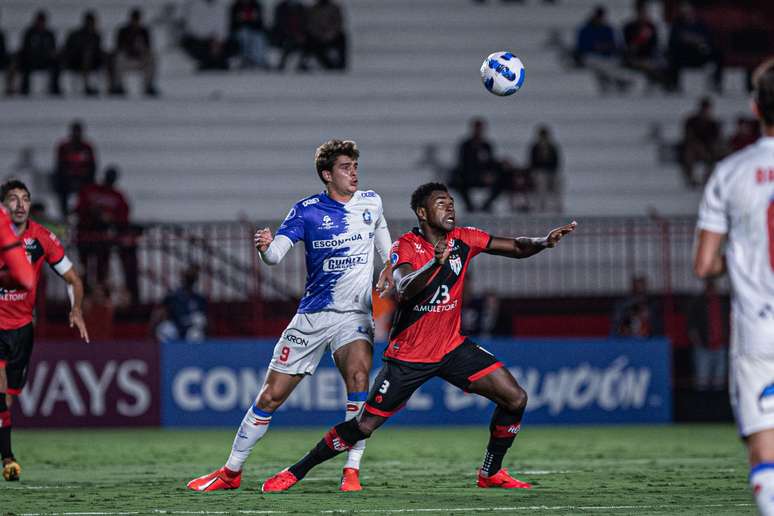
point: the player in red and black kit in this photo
(16, 307)
(429, 267)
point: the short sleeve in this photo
(477, 239)
(52, 247)
(713, 215)
(402, 252)
(293, 226)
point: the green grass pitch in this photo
(697, 469)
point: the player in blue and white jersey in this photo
(341, 228)
(736, 233)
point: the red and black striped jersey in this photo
(427, 326)
(41, 246)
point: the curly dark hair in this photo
(327, 153)
(763, 81)
(12, 184)
(422, 194)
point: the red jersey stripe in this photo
(484, 372)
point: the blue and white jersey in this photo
(339, 241)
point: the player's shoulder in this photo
(40, 232)
(464, 232)
(732, 165)
(309, 200)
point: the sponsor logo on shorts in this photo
(295, 339)
(342, 263)
(335, 242)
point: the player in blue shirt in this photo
(341, 227)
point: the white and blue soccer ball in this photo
(502, 73)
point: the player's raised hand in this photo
(385, 284)
(263, 239)
(442, 251)
(76, 319)
(558, 233)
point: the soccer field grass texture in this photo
(575, 470)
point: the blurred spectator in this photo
(83, 52)
(76, 166)
(638, 314)
(748, 130)
(326, 39)
(288, 33)
(641, 46)
(476, 167)
(431, 161)
(384, 309)
(520, 185)
(248, 30)
(6, 63)
(480, 313)
(183, 312)
(103, 223)
(708, 333)
(597, 50)
(57, 227)
(134, 51)
(691, 46)
(206, 38)
(544, 159)
(99, 312)
(38, 52)
(701, 142)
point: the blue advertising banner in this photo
(568, 381)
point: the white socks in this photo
(355, 402)
(762, 483)
(253, 427)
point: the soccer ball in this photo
(502, 73)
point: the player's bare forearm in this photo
(76, 311)
(524, 247)
(708, 260)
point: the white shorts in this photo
(751, 386)
(302, 344)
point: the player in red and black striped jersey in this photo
(38, 246)
(429, 267)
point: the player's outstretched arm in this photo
(271, 250)
(75, 290)
(386, 282)
(708, 261)
(523, 247)
(411, 282)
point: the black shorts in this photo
(15, 353)
(397, 380)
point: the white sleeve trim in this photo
(277, 250)
(63, 265)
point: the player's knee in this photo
(357, 381)
(267, 401)
(367, 428)
(517, 400)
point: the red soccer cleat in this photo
(350, 480)
(217, 480)
(503, 480)
(282, 481)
